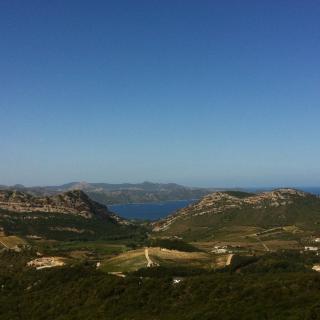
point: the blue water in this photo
(314, 190)
(149, 211)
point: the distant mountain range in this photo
(107, 194)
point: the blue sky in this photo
(204, 93)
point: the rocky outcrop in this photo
(220, 202)
(74, 202)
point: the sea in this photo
(157, 210)
(314, 190)
(149, 211)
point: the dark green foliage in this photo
(277, 262)
(239, 194)
(169, 272)
(283, 261)
(59, 226)
(238, 262)
(82, 293)
(172, 244)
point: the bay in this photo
(149, 211)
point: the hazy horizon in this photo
(252, 187)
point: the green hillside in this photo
(298, 214)
(71, 215)
(271, 289)
(65, 227)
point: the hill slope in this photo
(72, 202)
(67, 216)
(219, 211)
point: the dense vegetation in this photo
(275, 262)
(81, 292)
(172, 244)
(239, 194)
(66, 227)
(303, 213)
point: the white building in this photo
(316, 267)
(177, 280)
(220, 250)
(309, 248)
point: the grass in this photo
(100, 247)
(279, 237)
(125, 262)
(167, 257)
(80, 250)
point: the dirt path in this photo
(256, 236)
(150, 263)
(229, 259)
(264, 245)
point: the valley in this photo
(218, 238)
(202, 235)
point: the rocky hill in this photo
(71, 215)
(224, 209)
(74, 202)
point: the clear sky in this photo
(201, 92)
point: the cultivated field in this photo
(136, 259)
(10, 242)
(125, 262)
